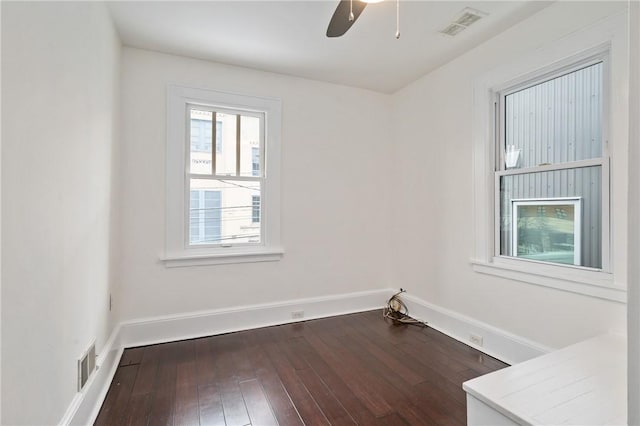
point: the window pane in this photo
(255, 162)
(539, 210)
(204, 216)
(218, 137)
(226, 158)
(228, 209)
(255, 212)
(194, 219)
(212, 216)
(557, 121)
(547, 230)
(250, 146)
(200, 135)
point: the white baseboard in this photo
(497, 343)
(86, 405)
(207, 323)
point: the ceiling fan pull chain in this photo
(397, 19)
(351, 17)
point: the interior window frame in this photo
(500, 144)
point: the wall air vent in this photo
(465, 18)
(86, 365)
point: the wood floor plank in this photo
(186, 410)
(364, 386)
(116, 403)
(344, 370)
(399, 394)
(210, 405)
(280, 401)
(309, 411)
(364, 417)
(447, 381)
(297, 362)
(382, 353)
(147, 372)
(413, 414)
(462, 353)
(335, 382)
(131, 356)
(186, 374)
(454, 412)
(438, 374)
(242, 365)
(139, 409)
(393, 419)
(235, 410)
(257, 405)
(330, 406)
(164, 395)
(205, 361)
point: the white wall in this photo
(434, 187)
(335, 222)
(633, 319)
(59, 92)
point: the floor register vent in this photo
(86, 365)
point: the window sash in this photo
(605, 211)
(261, 178)
(238, 112)
(529, 82)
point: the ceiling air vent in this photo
(465, 18)
(453, 29)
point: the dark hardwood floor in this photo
(350, 369)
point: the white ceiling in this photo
(288, 37)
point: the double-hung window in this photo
(548, 139)
(552, 174)
(222, 203)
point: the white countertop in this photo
(582, 384)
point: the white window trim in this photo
(586, 281)
(177, 251)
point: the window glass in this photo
(255, 161)
(228, 216)
(200, 135)
(535, 219)
(255, 214)
(557, 121)
(226, 160)
(547, 230)
(205, 217)
(249, 146)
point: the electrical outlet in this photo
(297, 314)
(475, 339)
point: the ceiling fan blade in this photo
(340, 22)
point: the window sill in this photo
(582, 281)
(262, 254)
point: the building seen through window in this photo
(224, 185)
(550, 177)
